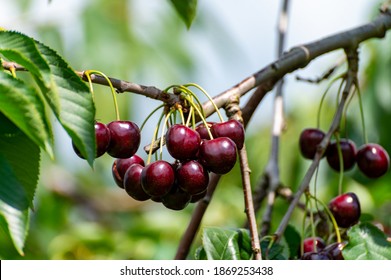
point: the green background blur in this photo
(80, 213)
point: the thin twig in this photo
(272, 170)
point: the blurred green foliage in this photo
(79, 213)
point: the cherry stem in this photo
(313, 233)
(113, 92)
(182, 115)
(200, 114)
(164, 128)
(340, 158)
(324, 97)
(357, 88)
(209, 97)
(87, 74)
(150, 115)
(154, 137)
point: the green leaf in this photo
(200, 254)
(220, 244)
(293, 240)
(276, 251)
(186, 10)
(367, 242)
(67, 95)
(244, 244)
(22, 49)
(19, 172)
(25, 108)
(76, 111)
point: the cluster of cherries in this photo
(371, 158)
(210, 147)
(346, 211)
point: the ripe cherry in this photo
(218, 155)
(176, 199)
(157, 178)
(348, 151)
(319, 256)
(132, 183)
(345, 209)
(312, 244)
(232, 129)
(373, 160)
(335, 250)
(125, 139)
(309, 140)
(182, 142)
(192, 177)
(203, 131)
(120, 166)
(197, 197)
(102, 140)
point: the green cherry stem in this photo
(340, 158)
(357, 88)
(113, 93)
(333, 221)
(164, 129)
(200, 114)
(209, 97)
(150, 115)
(155, 133)
(324, 97)
(87, 74)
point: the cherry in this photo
(120, 166)
(203, 131)
(320, 256)
(176, 199)
(312, 244)
(348, 150)
(157, 178)
(132, 183)
(182, 142)
(102, 140)
(197, 197)
(335, 250)
(218, 155)
(125, 139)
(373, 160)
(192, 177)
(309, 140)
(345, 209)
(232, 129)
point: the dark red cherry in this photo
(102, 140)
(157, 178)
(197, 197)
(312, 244)
(345, 209)
(125, 139)
(309, 140)
(348, 151)
(192, 177)
(120, 166)
(132, 183)
(335, 250)
(319, 256)
(218, 155)
(182, 142)
(203, 131)
(232, 129)
(373, 160)
(177, 199)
